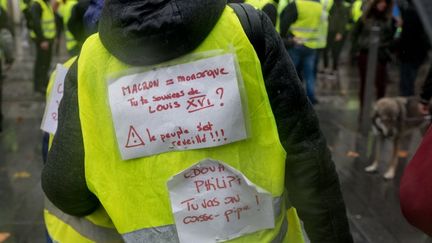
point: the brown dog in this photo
(392, 119)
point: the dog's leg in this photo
(378, 145)
(391, 171)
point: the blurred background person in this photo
(378, 13)
(338, 21)
(426, 94)
(301, 30)
(6, 53)
(43, 34)
(413, 47)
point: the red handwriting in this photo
(169, 82)
(193, 91)
(204, 170)
(198, 219)
(136, 88)
(235, 213)
(195, 102)
(164, 107)
(180, 137)
(232, 199)
(198, 103)
(198, 139)
(206, 127)
(60, 89)
(135, 102)
(168, 96)
(176, 134)
(213, 73)
(54, 116)
(193, 205)
(220, 92)
(134, 139)
(218, 183)
(218, 136)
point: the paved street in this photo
(372, 202)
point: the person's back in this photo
(179, 61)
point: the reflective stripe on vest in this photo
(134, 192)
(81, 228)
(168, 233)
(307, 25)
(47, 21)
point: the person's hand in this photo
(44, 45)
(423, 109)
(338, 37)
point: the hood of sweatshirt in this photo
(146, 32)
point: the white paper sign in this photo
(50, 118)
(186, 106)
(213, 202)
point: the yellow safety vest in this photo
(323, 27)
(307, 26)
(71, 43)
(134, 192)
(356, 10)
(23, 5)
(47, 21)
(64, 228)
(5, 5)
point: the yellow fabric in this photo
(47, 21)
(62, 232)
(59, 230)
(294, 234)
(134, 192)
(23, 5)
(4, 5)
(307, 25)
(356, 10)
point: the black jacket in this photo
(412, 50)
(130, 31)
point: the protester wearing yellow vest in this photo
(301, 29)
(4, 5)
(65, 12)
(338, 20)
(139, 191)
(65, 228)
(356, 10)
(43, 33)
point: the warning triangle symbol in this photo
(134, 139)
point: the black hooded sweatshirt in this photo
(149, 32)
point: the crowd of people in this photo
(97, 190)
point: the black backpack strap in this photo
(251, 23)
